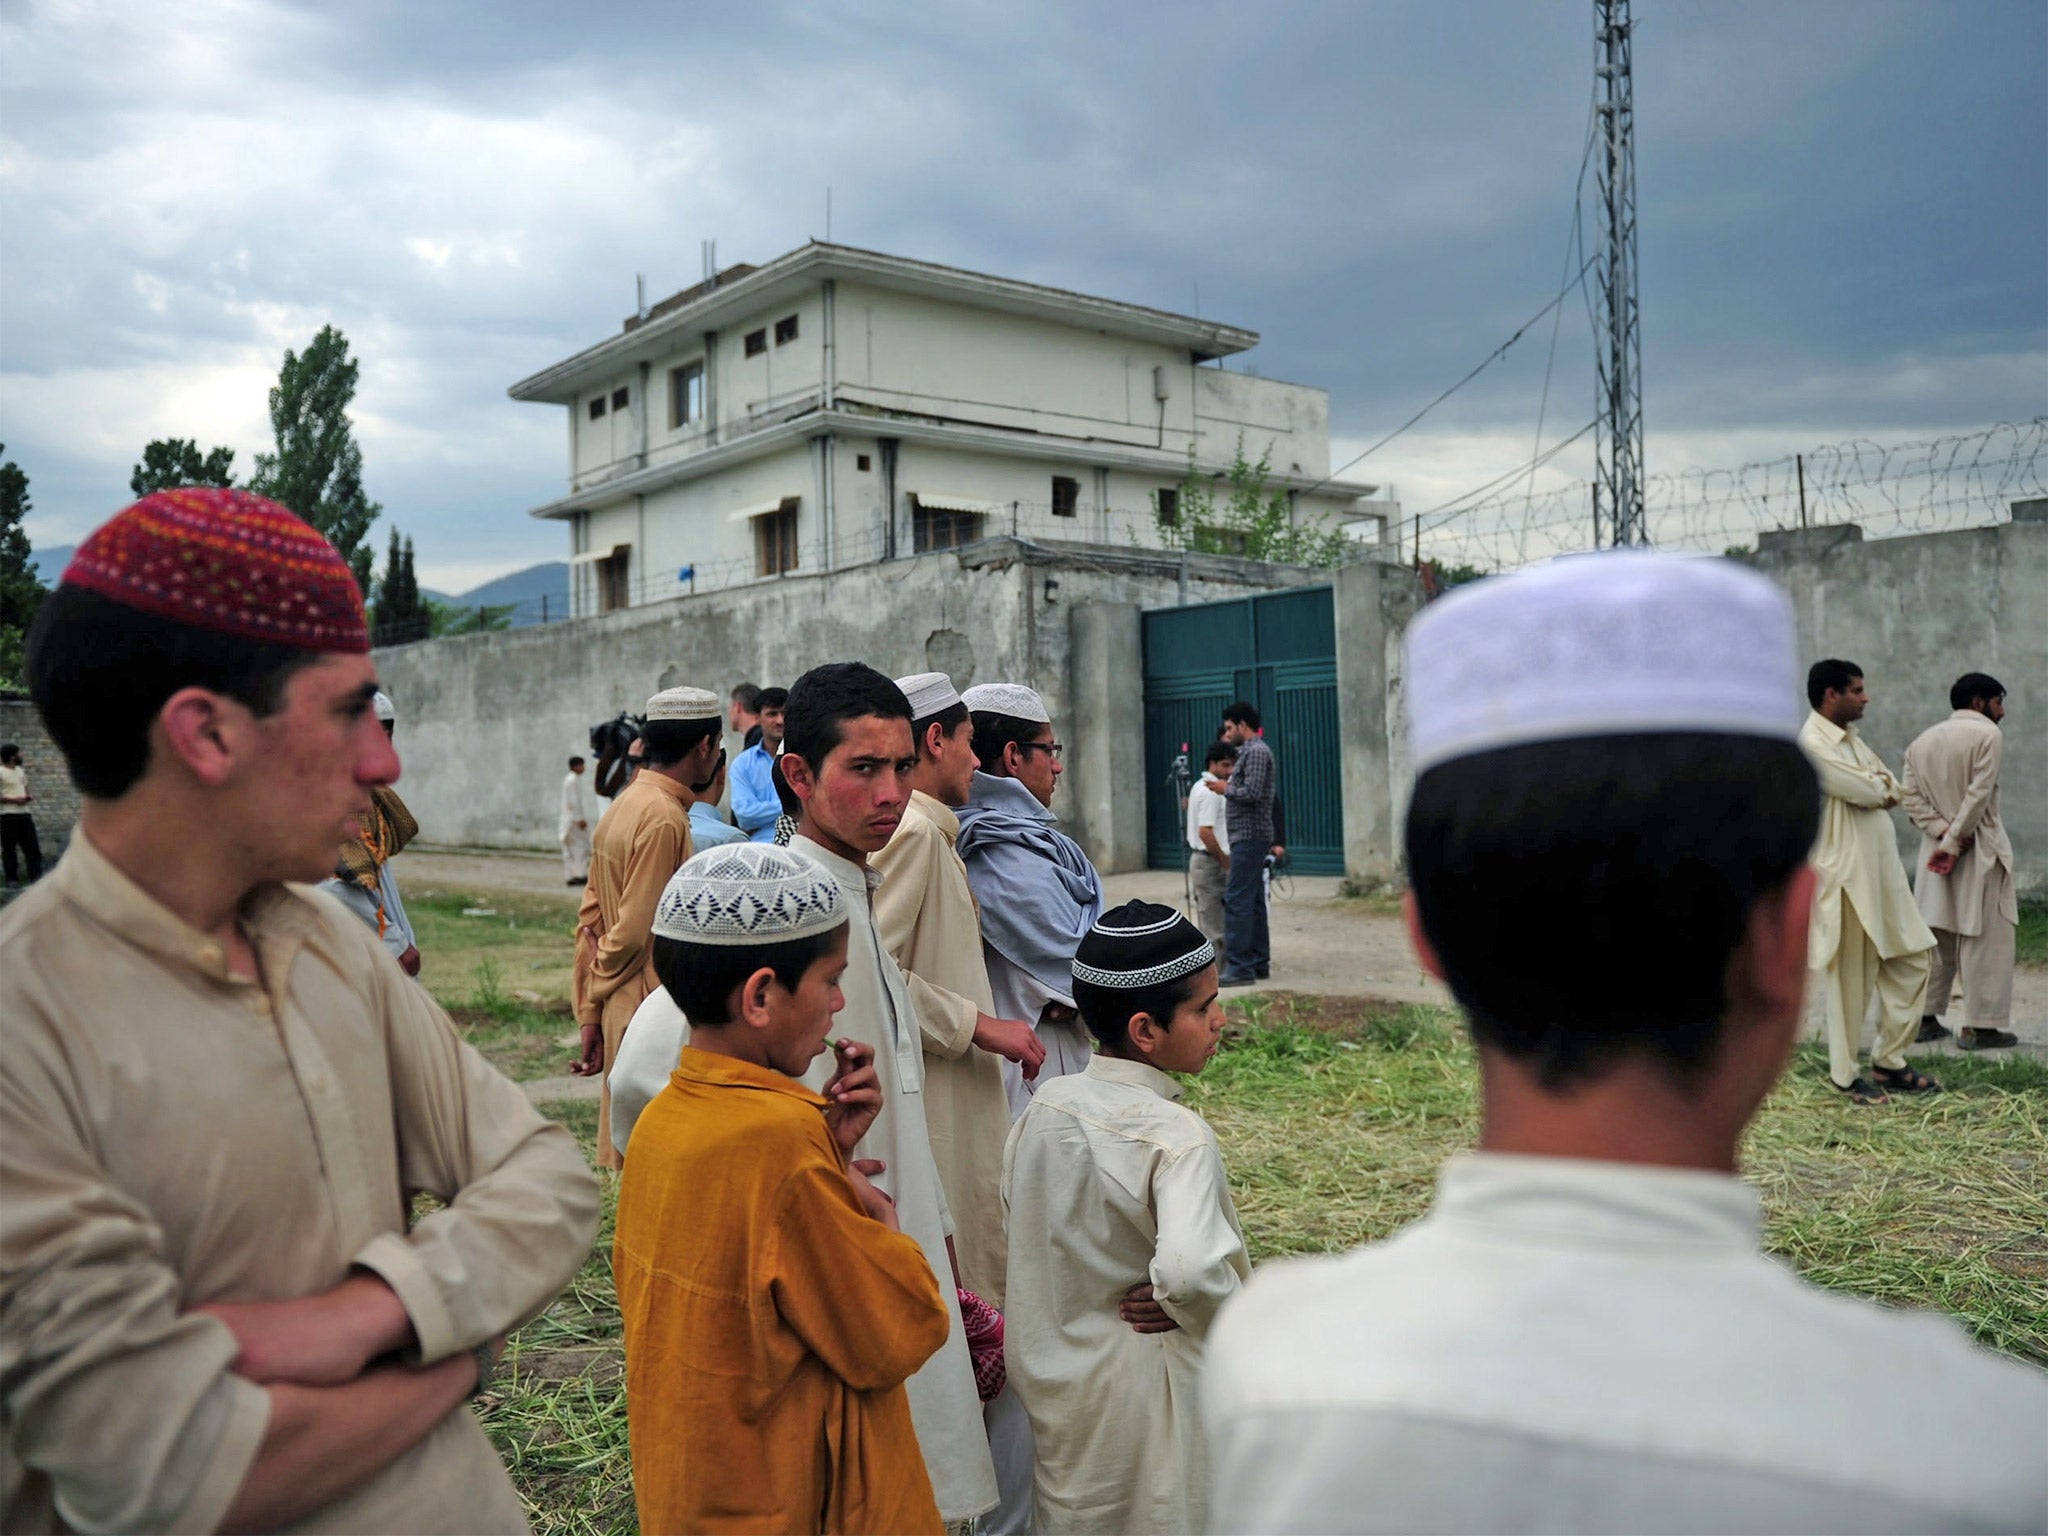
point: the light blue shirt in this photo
(755, 805)
(708, 829)
(397, 936)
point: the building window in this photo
(619, 399)
(775, 539)
(757, 343)
(686, 394)
(1066, 496)
(863, 463)
(785, 330)
(942, 527)
(596, 407)
(614, 591)
(1168, 503)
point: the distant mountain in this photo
(538, 594)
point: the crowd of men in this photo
(914, 1231)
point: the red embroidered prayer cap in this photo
(229, 561)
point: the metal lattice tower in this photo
(1618, 412)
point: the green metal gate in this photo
(1278, 651)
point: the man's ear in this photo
(1145, 1033)
(1425, 952)
(796, 773)
(753, 999)
(1772, 956)
(199, 729)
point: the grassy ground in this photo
(1334, 1114)
(2032, 939)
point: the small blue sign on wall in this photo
(687, 573)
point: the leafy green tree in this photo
(173, 461)
(399, 614)
(1249, 519)
(317, 470)
(20, 592)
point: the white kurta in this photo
(1111, 1183)
(927, 920)
(1567, 1345)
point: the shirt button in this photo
(209, 954)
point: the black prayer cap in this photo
(1141, 944)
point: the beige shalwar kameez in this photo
(931, 927)
(1867, 937)
(177, 1134)
(637, 849)
(1950, 791)
(1110, 1183)
(572, 829)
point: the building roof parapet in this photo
(729, 297)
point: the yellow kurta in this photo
(176, 1134)
(1857, 854)
(927, 920)
(770, 1321)
(638, 847)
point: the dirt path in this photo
(1322, 942)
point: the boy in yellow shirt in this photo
(772, 1307)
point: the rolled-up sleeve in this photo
(521, 1200)
(128, 1407)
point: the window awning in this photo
(598, 554)
(747, 514)
(941, 501)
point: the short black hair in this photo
(1108, 1011)
(1585, 897)
(702, 978)
(1243, 713)
(947, 719)
(668, 742)
(1219, 752)
(748, 697)
(772, 698)
(1971, 687)
(1832, 673)
(99, 671)
(993, 732)
(8, 751)
(575, 761)
(825, 698)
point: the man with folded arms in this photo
(218, 1091)
(1607, 848)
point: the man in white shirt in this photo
(572, 826)
(1607, 847)
(1208, 843)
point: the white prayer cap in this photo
(748, 893)
(1626, 643)
(1012, 699)
(684, 704)
(930, 693)
(381, 703)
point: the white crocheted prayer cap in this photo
(381, 703)
(1621, 643)
(684, 704)
(748, 893)
(930, 693)
(1012, 699)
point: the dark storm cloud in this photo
(1844, 210)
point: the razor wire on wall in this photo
(1932, 486)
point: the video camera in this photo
(609, 743)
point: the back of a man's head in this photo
(1974, 688)
(1608, 785)
(207, 588)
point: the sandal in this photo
(1903, 1080)
(1862, 1092)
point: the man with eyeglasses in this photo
(1039, 895)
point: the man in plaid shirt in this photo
(1248, 818)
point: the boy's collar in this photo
(1136, 1074)
(708, 1067)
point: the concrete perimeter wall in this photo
(1916, 613)
(56, 802)
(486, 723)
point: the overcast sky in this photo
(1844, 212)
